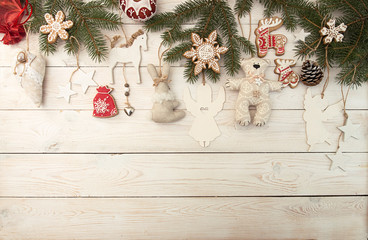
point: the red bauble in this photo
(140, 10)
(104, 104)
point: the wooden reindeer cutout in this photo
(129, 53)
(204, 128)
(316, 112)
(264, 39)
(287, 76)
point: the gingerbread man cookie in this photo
(56, 27)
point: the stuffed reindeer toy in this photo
(164, 101)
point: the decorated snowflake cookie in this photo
(333, 32)
(56, 27)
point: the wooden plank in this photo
(85, 175)
(13, 96)
(184, 218)
(78, 131)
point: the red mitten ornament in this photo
(139, 10)
(104, 104)
(11, 14)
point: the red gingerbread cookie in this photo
(266, 40)
(104, 104)
(287, 75)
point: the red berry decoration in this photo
(139, 10)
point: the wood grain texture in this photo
(141, 95)
(184, 218)
(85, 175)
(78, 131)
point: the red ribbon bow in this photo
(11, 14)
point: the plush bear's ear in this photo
(246, 61)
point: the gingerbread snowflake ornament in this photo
(205, 53)
(56, 27)
(333, 32)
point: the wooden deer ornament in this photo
(264, 39)
(129, 53)
(287, 75)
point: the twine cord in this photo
(126, 82)
(23, 60)
(161, 78)
(250, 27)
(76, 55)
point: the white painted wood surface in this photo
(67, 175)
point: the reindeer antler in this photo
(270, 22)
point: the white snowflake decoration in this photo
(333, 32)
(101, 106)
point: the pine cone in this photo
(312, 73)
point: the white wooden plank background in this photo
(67, 175)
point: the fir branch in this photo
(183, 12)
(228, 30)
(189, 72)
(45, 46)
(88, 18)
(208, 15)
(113, 4)
(289, 10)
(176, 53)
(243, 7)
(355, 45)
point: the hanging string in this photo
(160, 77)
(240, 25)
(28, 29)
(126, 84)
(326, 58)
(22, 57)
(160, 57)
(328, 75)
(250, 27)
(76, 55)
(203, 79)
(125, 36)
(346, 116)
(26, 9)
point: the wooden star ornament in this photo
(56, 27)
(205, 54)
(301, 35)
(65, 92)
(84, 79)
(349, 130)
(338, 160)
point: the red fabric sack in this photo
(103, 103)
(11, 14)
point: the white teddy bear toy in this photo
(253, 90)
